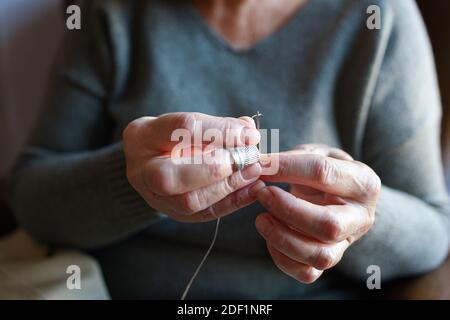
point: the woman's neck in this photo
(243, 23)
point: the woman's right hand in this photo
(189, 192)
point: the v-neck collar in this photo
(216, 38)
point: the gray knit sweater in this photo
(322, 78)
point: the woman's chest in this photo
(294, 109)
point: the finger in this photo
(195, 201)
(315, 196)
(235, 201)
(322, 149)
(299, 271)
(230, 204)
(339, 154)
(309, 194)
(167, 130)
(172, 176)
(348, 179)
(329, 224)
(298, 247)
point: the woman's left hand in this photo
(331, 204)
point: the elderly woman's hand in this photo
(331, 205)
(189, 191)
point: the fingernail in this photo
(250, 136)
(264, 225)
(254, 189)
(251, 172)
(265, 197)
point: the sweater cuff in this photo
(130, 207)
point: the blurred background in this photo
(31, 31)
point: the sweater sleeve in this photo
(401, 143)
(69, 187)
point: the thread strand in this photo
(191, 281)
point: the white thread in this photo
(188, 287)
(216, 232)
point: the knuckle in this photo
(232, 183)
(215, 170)
(324, 171)
(324, 258)
(339, 154)
(190, 203)
(228, 187)
(306, 276)
(372, 183)
(332, 228)
(131, 129)
(375, 184)
(186, 121)
(368, 223)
